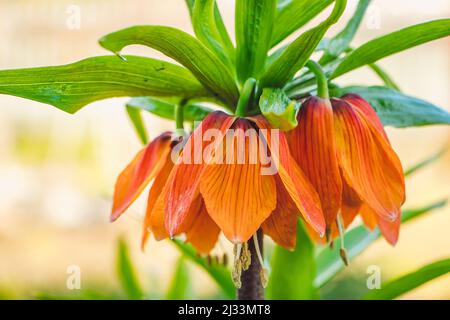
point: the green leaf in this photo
(185, 49)
(339, 43)
(293, 272)
(72, 86)
(399, 286)
(329, 262)
(425, 162)
(294, 14)
(126, 272)
(396, 109)
(165, 109)
(278, 109)
(190, 5)
(136, 119)
(254, 25)
(209, 29)
(295, 56)
(220, 273)
(179, 286)
(392, 43)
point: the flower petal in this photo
(390, 229)
(366, 111)
(237, 195)
(136, 176)
(363, 106)
(204, 232)
(351, 204)
(281, 225)
(368, 163)
(185, 177)
(154, 219)
(294, 180)
(313, 146)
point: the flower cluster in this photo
(335, 164)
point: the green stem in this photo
(179, 115)
(322, 81)
(384, 76)
(246, 94)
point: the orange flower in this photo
(238, 197)
(344, 151)
(218, 184)
(154, 163)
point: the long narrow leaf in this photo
(126, 272)
(399, 286)
(185, 49)
(254, 25)
(72, 86)
(136, 119)
(339, 43)
(397, 109)
(425, 162)
(329, 262)
(295, 56)
(293, 272)
(220, 274)
(392, 43)
(221, 28)
(165, 109)
(190, 5)
(204, 20)
(226, 40)
(295, 14)
(179, 286)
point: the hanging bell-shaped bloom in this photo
(343, 149)
(233, 174)
(154, 163)
(242, 187)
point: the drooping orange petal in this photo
(237, 195)
(156, 216)
(156, 223)
(351, 204)
(390, 229)
(204, 232)
(185, 177)
(316, 237)
(365, 110)
(362, 105)
(368, 163)
(137, 175)
(313, 146)
(294, 180)
(368, 216)
(281, 225)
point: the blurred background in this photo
(57, 171)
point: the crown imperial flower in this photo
(343, 149)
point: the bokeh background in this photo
(57, 171)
